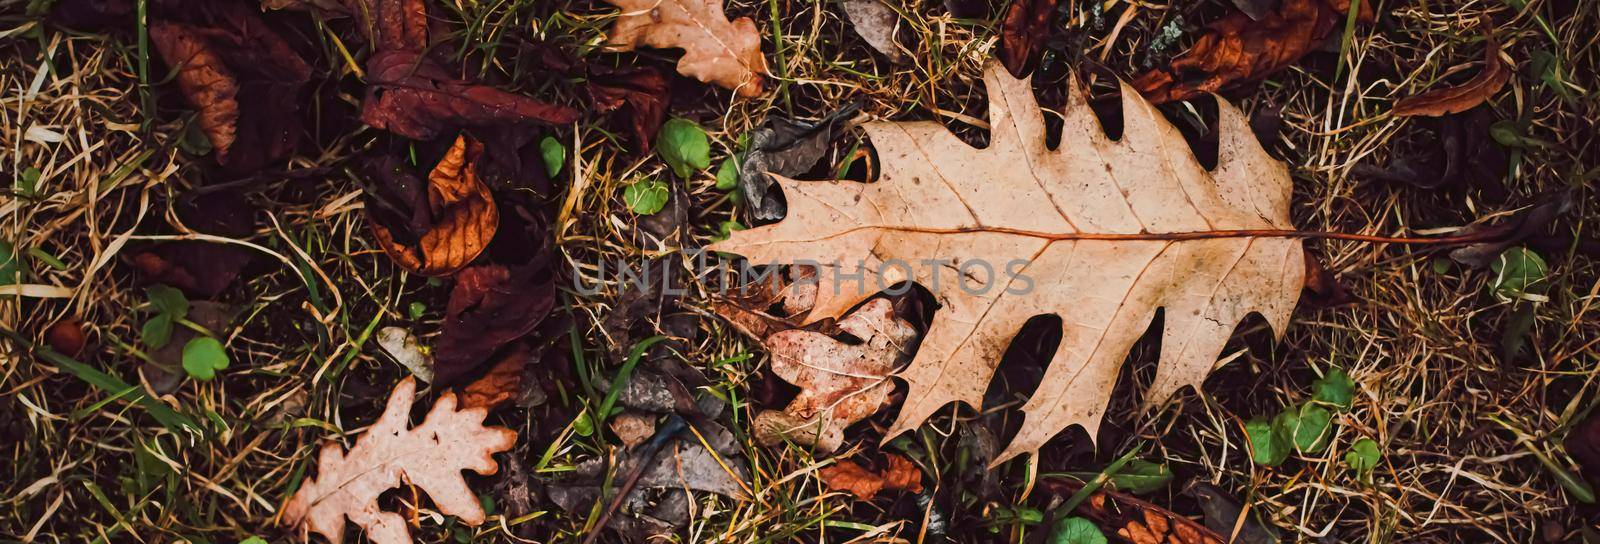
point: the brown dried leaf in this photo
(875, 22)
(633, 428)
(411, 95)
(203, 269)
(430, 456)
(1480, 88)
(641, 93)
(1110, 230)
(848, 476)
(490, 306)
(1237, 49)
(243, 78)
(458, 219)
(840, 383)
(1322, 289)
(503, 382)
(715, 50)
(1023, 33)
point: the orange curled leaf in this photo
(503, 382)
(464, 217)
(1441, 102)
(848, 476)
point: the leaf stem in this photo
(1481, 236)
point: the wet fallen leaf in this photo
(1321, 288)
(503, 383)
(490, 306)
(454, 221)
(840, 383)
(1520, 227)
(412, 95)
(785, 147)
(715, 50)
(875, 22)
(682, 464)
(244, 79)
(851, 477)
(640, 93)
(1016, 200)
(1222, 517)
(1256, 9)
(1023, 32)
(407, 350)
(1462, 97)
(1237, 49)
(430, 456)
(1583, 444)
(200, 268)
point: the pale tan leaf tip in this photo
(430, 456)
(1093, 231)
(715, 50)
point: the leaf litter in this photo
(499, 297)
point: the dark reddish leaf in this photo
(402, 25)
(639, 93)
(1583, 443)
(203, 269)
(1462, 97)
(91, 14)
(490, 306)
(1023, 32)
(1529, 223)
(496, 304)
(1237, 49)
(1321, 288)
(242, 77)
(451, 226)
(411, 95)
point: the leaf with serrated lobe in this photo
(1100, 232)
(430, 456)
(715, 50)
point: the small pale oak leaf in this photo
(430, 456)
(1102, 233)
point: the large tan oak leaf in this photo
(430, 456)
(1100, 232)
